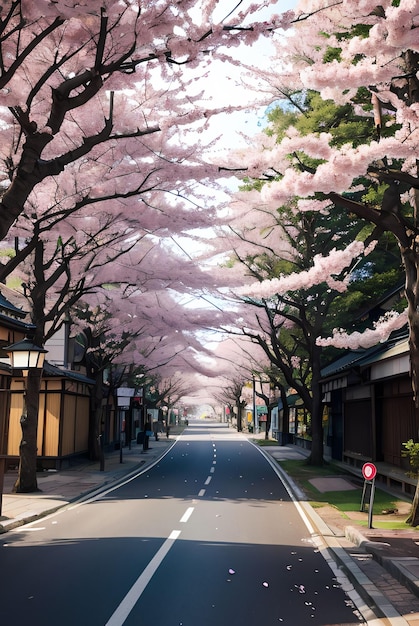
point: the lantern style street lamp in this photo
(27, 357)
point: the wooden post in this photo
(2, 465)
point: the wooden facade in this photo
(64, 403)
(370, 400)
(63, 420)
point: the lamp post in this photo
(29, 358)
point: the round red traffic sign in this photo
(369, 471)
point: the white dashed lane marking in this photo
(187, 514)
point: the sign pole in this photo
(369, 472)
(371, 503)
(364, 491)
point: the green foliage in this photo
(14, 282)
(411, 452)
(266, 442)
(229, 263)
(281, 119)
(340, 121)
(317, 310)
(266, 266)
(332, 54)
(357, 30)
(311, 234)
(359, 306)
(250, 184)
(8, 253)
(312, 114)
(374, 195)
(368, 289)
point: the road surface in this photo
(208, 536)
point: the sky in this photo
(223, 86)
(223, 82)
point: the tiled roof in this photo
(388, 349)
(7, 306)
(343, 363)
(53, 370)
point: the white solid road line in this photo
(124, 609)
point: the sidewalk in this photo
(59, 488)
(382, 566)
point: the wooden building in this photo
(369, 398)
(63, 419)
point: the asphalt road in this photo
(209, 536)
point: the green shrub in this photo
(411, 452)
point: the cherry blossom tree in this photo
(168, 392)
(303, 256)
(365, 56)
(59, 262)
(95, 106)
(72, 256)
(385, 65)
(286, 323)
(51, 290)
(231, 395)
(235, 360)
(100, 92)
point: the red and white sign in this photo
(369, 471)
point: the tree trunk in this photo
(26, 481)
(239, 417)
(316, 456)
(413, 518)
(285, 426)
(411, 260)
(268, 421)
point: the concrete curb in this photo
(395, 566)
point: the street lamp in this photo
(29, 358)
(25, 355)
